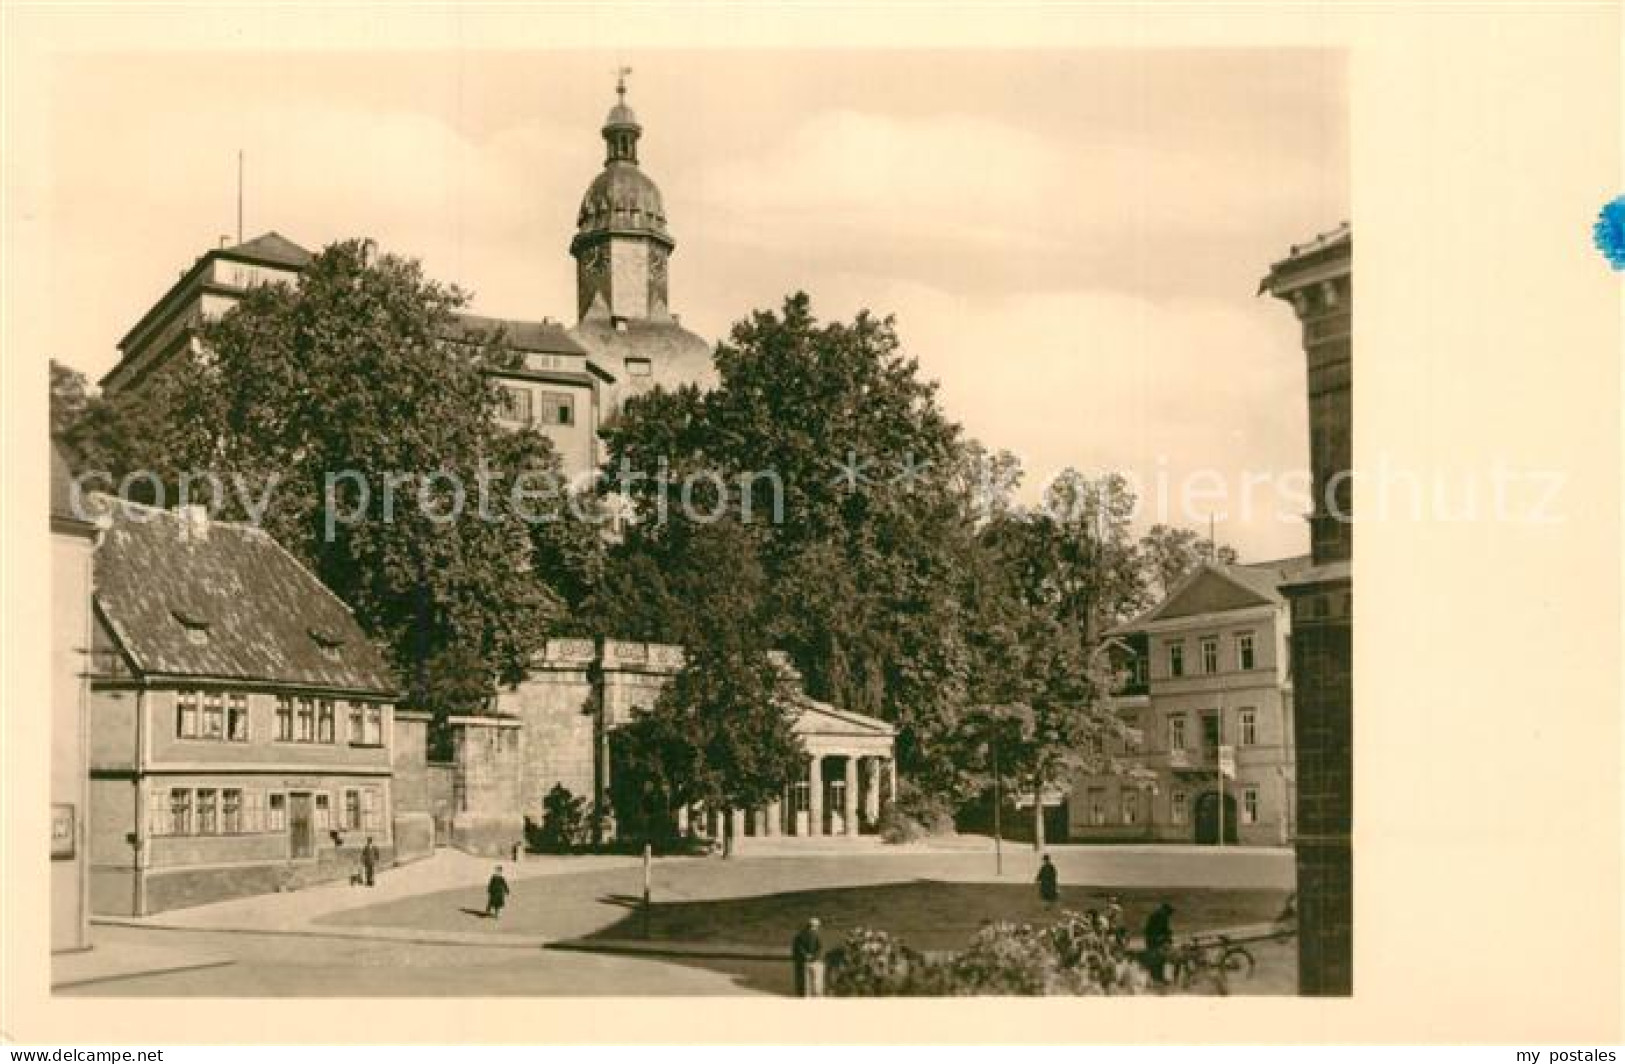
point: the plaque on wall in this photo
(62, 833)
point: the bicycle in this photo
(1215, 958)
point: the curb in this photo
(364, 934)
(113, 977)
(655, 948)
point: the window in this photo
(358, 734)
(1097, 806)
(1212, 730)
(352, 810)
(208, 812)
(323, 815)
(1245, 658)
(237, 717)
(801, 796)
(372, 724)
(638, 367)
(516, 404)
(1210, 655)
(1131, 806)
(1138, 671)
(186, 714)
(307, 720)
(1249, 727)
(276, 812)
(1176, 808)
(1176, 659)
(558, 408)
(1176, 733)
(284, 719)
(231, 812)
(324, 721)
(180, 812)
(1249, 805)
(369, 809)
(214, 715)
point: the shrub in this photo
(564, 822)
(1072, 956)
(915, 815)
(871, 964)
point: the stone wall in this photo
(413, 826)
(486, 818)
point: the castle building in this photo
(1316, 278)
(1207, 672)
(572, 379)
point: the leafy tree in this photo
(864, 571)
(343, 402)
(70, 394)
(1168, 553)
(722, 734)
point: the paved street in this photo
(421, 932)
(291, 966)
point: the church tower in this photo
(621, 244)
(621, 247)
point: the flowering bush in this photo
(872, 964)
(1074, 956)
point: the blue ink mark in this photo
(1609, 232)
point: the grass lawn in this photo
(926, 914)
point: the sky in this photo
(1071, 241)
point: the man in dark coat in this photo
(496, 894)
(807, 953)
(1049, 882)
(1159, 935)
(369, 861)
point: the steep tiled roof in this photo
(1266, 578)
(544, 336)
(225, 601)
(272, 248)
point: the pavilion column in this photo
(775, 814)
(849, 808)
(682, 821)
(871, 790)
(891, 779)
(735, 824)
(815, 797)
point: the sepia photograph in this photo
(782, 535)
(618, 520)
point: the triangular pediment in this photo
(1208, 590)
(820, 718)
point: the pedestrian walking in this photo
(807, 953)
(1159, 935)
(1049, 882)
(496, 894)
(369, 861)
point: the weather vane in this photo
(620, 81)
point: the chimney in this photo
(194, 522)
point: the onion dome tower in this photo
(621, 247)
